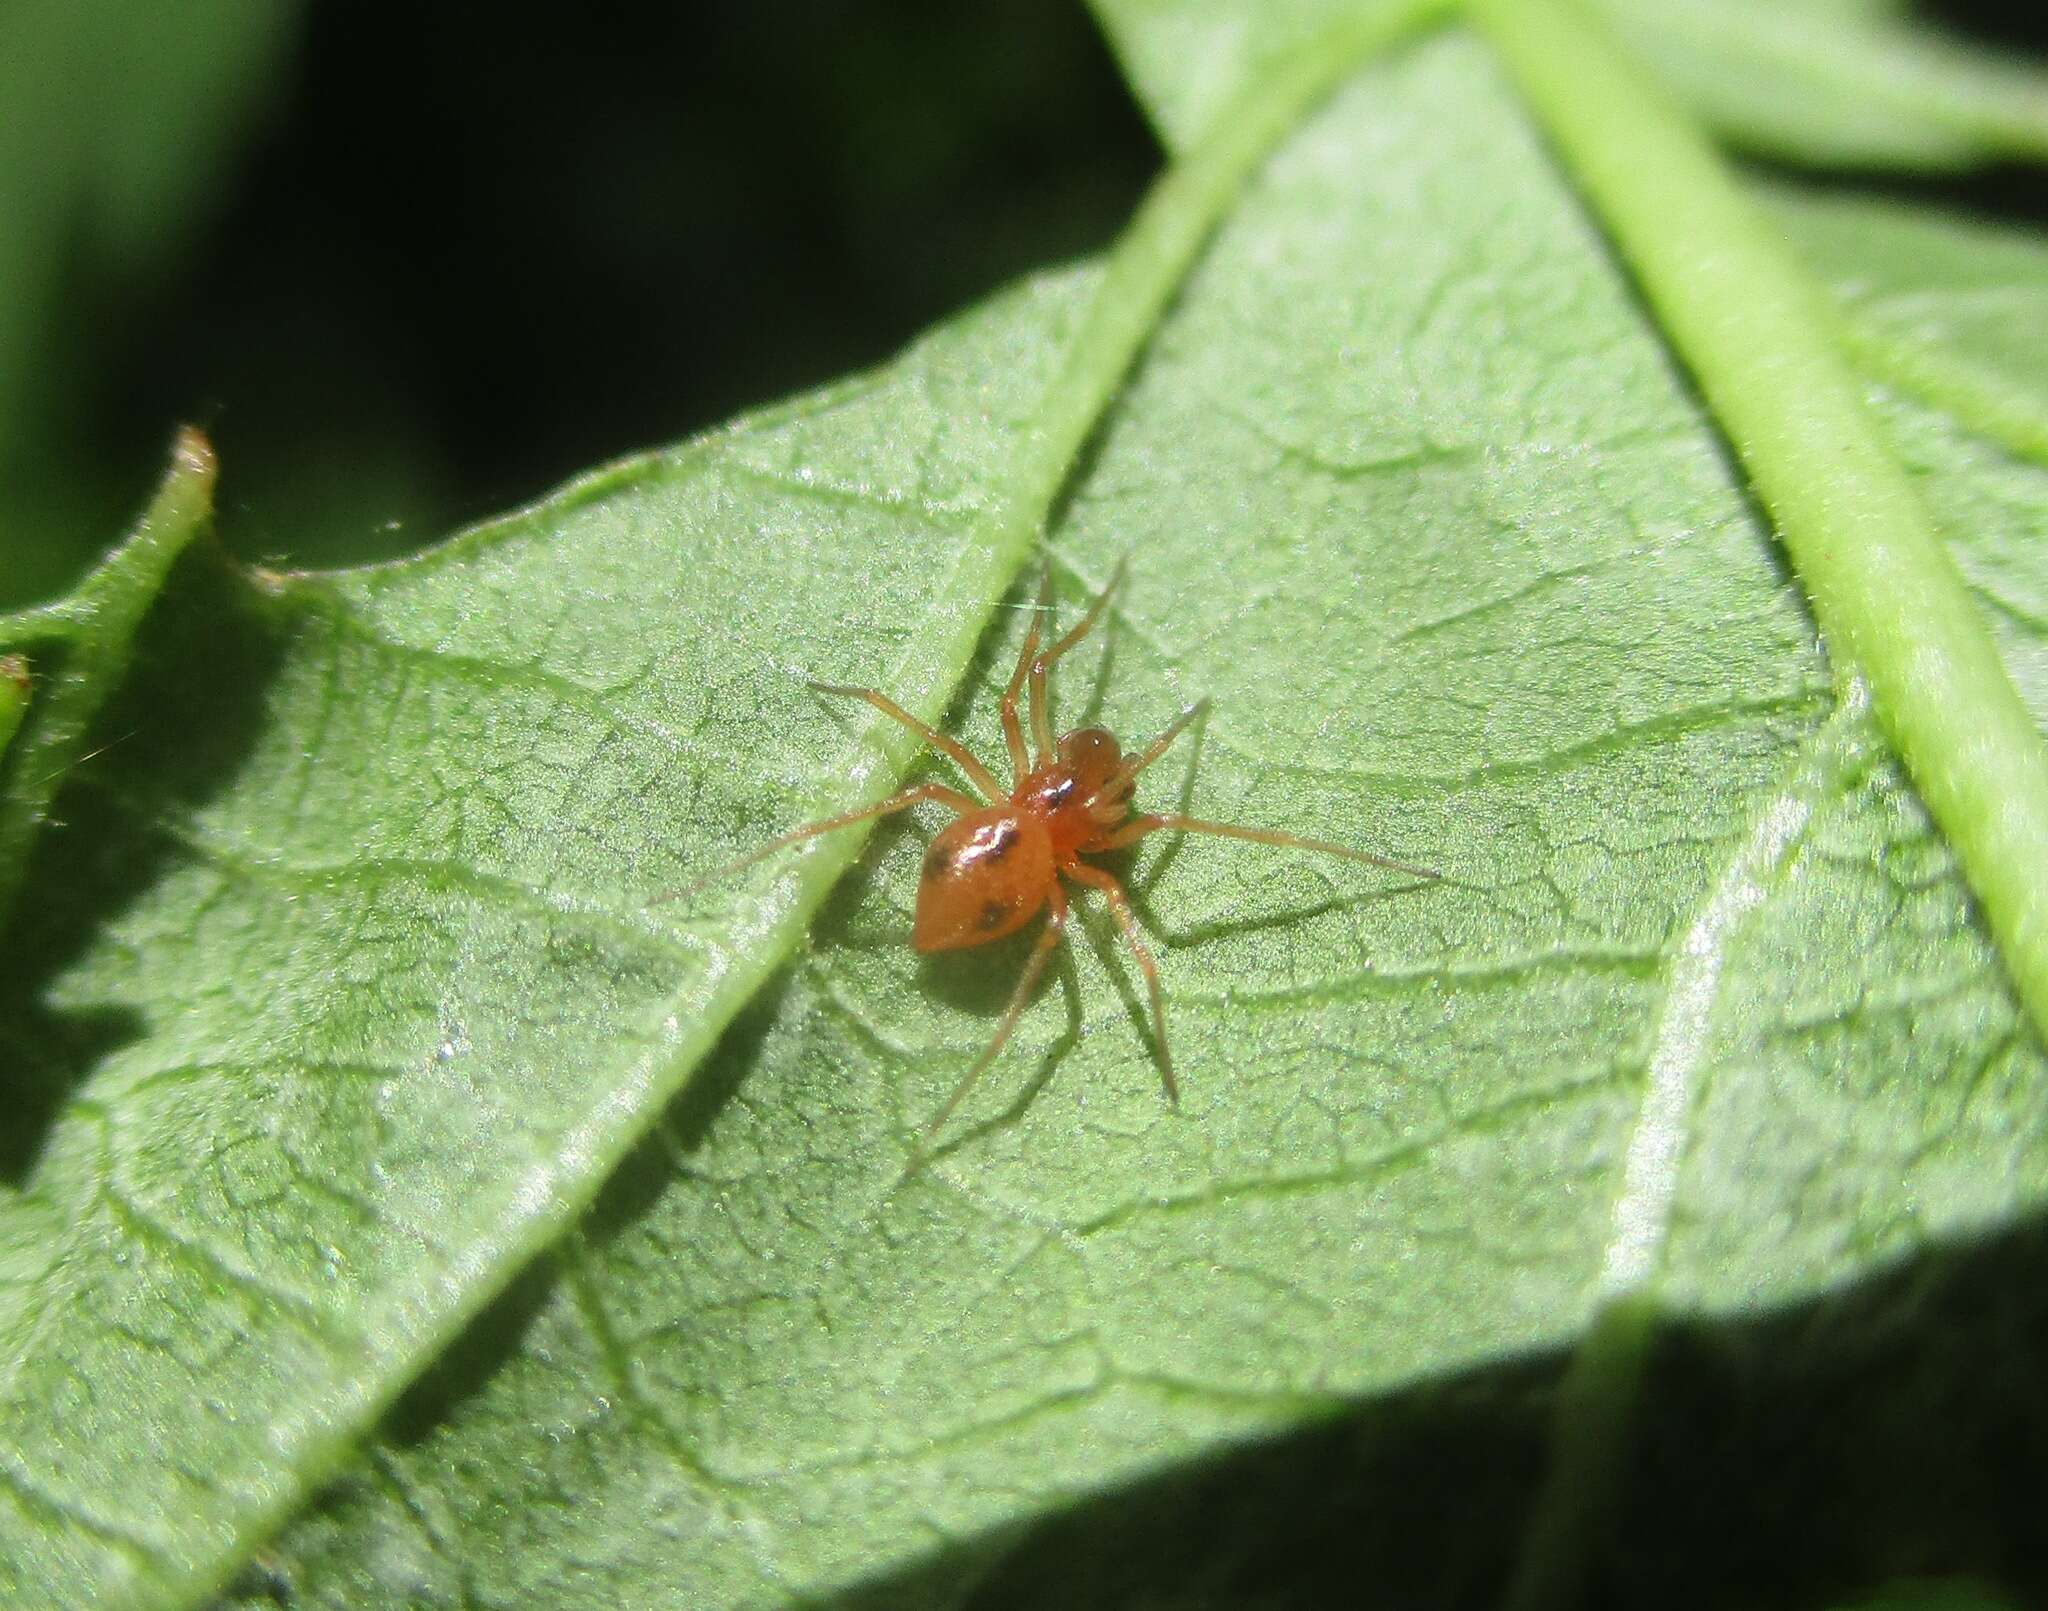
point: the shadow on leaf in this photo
(1788, 1459)
(179, 728)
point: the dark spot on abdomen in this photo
(994, 914)
(936, 861)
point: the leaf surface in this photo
(341, 968)
(1854, 85)
(339, 980)
(1823, 82)
(384, 891)
(1414, 491)
(389, 893)
(1948, 309)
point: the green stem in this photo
(1592, 1412)
(76, 651)
(1759, 338)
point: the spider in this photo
(1000, 861)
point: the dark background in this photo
(419, 271)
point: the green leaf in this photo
(1828, 82)
(1944, 312)
(359, 913)
(1412, 487)
(1755, 333)
(339, 993)
(366, 805)
(1954, 311)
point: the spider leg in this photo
(1055, 927)
(1041, 714)
(1013, 729)
(1113, 794)
(964, 758)
(952, 798)
(1119, 903)
(1153, 821)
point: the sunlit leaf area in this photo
(1590, 455)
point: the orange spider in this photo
(989, 872)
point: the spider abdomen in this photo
(985, 876)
